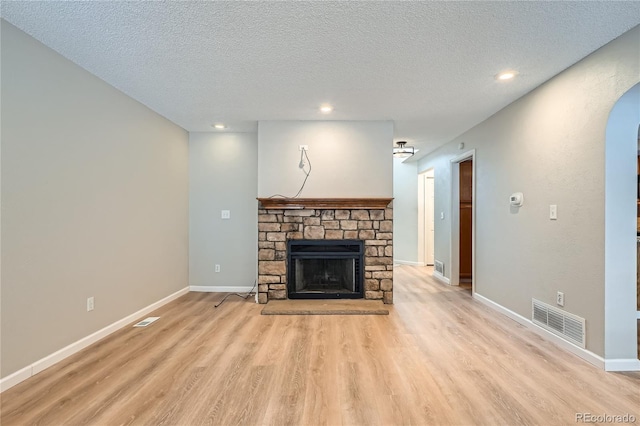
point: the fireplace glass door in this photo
(325, 269)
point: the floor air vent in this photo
(568, 326)
(145, 322)
(439, 267)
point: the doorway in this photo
(638, 253)
(463, 224)
(426, 217)
(465, 209)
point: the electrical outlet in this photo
(560, 298)
(217, 268)
(90, 304)
(225, 214)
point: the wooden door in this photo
(466, 205)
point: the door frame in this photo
(422, 210)
(454, 245)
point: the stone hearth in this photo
(352, 219)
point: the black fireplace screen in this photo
(325, 269)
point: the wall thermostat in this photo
(516, 199)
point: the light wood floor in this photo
(439, 358)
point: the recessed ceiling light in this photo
(219, 126)
(326, 109)
(506, 75)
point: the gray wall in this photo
(348, 158)
(223, 175)
(405, 211)
(550, 145)
(94, 203)
(620, 223)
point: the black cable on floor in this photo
(245, 297)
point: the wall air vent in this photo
(568, 326)
(439, 267)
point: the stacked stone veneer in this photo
(373, 226)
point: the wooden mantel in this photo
(324, 203)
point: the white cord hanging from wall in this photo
(303, 156)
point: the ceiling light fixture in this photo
(402, 151)
(326, 109)
(219, 126)
(506, 75)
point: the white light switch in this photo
(441, 215)
(225, 214)
(553, 212)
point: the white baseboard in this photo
(30, 370)
(588, 356)
(622, 365)
(438, 276)
(13, 379)
(220, 289)
(408, 262)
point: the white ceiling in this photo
(428, 66)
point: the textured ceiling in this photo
(428, 66)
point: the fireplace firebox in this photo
(325, 269)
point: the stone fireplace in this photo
(368, 222)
